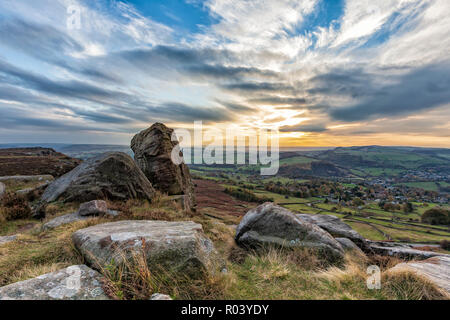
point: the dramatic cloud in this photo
(325, 72)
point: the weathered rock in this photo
(348, 244)
(178, 246)
(7, 239)
(93, 208)
(62, 220)
(436, 269)
(404, 252)
(272, 224)
(159, 296)
(336, 227)
(73, 283)
(2, 189)
(112, 175)
(152, 151)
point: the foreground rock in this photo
(62, 220)
(178, 246)
(152, 151)
(272, 224)
(436, 269)
(404, 252)
(7, 239)
(73, 283)
(336, 227)
(112, 175)
(348, 244)
(93, 208)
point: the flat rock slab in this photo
(405, 252)
(178, 246)
(62, 220)
(72, 283)
(436, 269)
(270, 224)
(7, 239)
(45, 177)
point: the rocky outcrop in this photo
(62, 220)
(7, 239)
(152, 151)
(87, 210)
(270, 224)
(348, 244)
(112, 175)
(73, 283)
(336, 227)
(404, 252)
(436, 270)
(177, 246)
(35, 161)
(93, 208)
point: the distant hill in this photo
(389, 161)
(35, 161)
(80, 151)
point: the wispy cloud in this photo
(332, 75)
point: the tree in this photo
(436, 215)
(407, 207)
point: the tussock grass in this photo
(299, 274)
(134, 279)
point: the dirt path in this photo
(211, 196)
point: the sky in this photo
(323, 72)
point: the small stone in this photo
(7, 239)
(159, 296)
(93, 208)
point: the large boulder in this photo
(270, 224)
(176, 246)
(153, 153)
(336, 227)
(72, 283)
(112, 175)
(436, 270)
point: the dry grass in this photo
(134, 279)
(267, 274)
